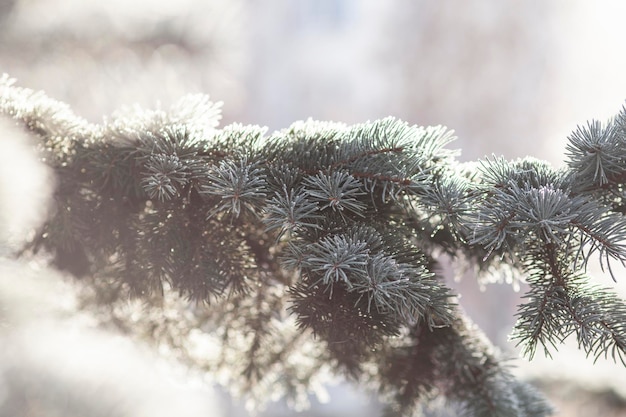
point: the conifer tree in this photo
(318, 248)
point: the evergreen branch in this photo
(61, 131)
(602, 231)
(343, 224)
(338, 258)
(596, 154)
(557, 311)
(469, 374)
(365, 154)
(449, 203)
(383, 178)
(539, 320)
(408, 369)
(521, 201)
(164, 176)
(600, 315)
(194, 113)
(493, 226)
(240, 186)
(523, 173)
(402, 289)
(291, 212)
(337, 190)
(236, 141)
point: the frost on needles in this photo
(323, 241)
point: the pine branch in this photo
(464, 369)
(327, 236)
(596, 154)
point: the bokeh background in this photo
(511, 78)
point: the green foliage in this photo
(330, 234)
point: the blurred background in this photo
(511, 78)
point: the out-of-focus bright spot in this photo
(24, 186)
(54, 362)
